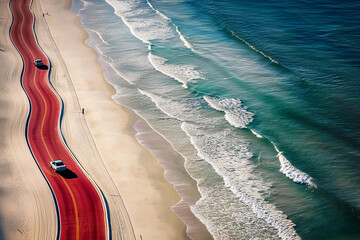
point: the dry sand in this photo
(101, 140)
(27, 208)
(135, 173)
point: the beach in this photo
(101, 139)
(257, 102)
(191, 119)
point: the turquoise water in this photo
(258, 103)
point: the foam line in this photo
(256, 134)
(181, 73)
(182, 37)
(251, 46)
(291, 172)
(236, 114)
(230, 159)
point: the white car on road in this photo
(58, 165)
(38, 63)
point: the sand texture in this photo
(27, 208)
(101, 139)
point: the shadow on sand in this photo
(68, 174)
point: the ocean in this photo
(251, 107)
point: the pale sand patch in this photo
(27, 208)
(147, 196)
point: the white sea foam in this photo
(109, 63)
(229, 155)
(146, 23)
(85, 4)
(182, 73)
(228, 217)
(235, 113)
(182, 37)
(291, 172)
(142, 22)
(224, 216)
(130, 76)
(256, 134)
(229, 158)
(100, 37)
(165, 105)
(288, 169)
(183, 109)
(158, 12)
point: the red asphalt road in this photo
(80, 207)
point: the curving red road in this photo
(80, 208)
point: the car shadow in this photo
(68, 174)
(43, 67)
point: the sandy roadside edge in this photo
(27, 209)
(147, 196)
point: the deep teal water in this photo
(260, 99)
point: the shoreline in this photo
(110, 125)
(106, 141)
(167, 157)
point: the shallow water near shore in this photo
(257, 104)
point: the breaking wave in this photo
(236, 114)
(229, 155)
(291, 172)
(181, 73)
(182, 37)
(133, 15)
